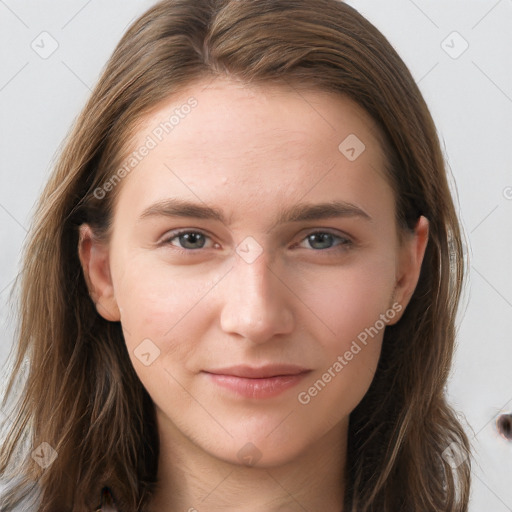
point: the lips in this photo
(263, 372)
(257, 383)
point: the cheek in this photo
(349, 298)
(157, 301)
(352, 308)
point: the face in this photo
(254, 264)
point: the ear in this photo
(94, 257)
(410, 258)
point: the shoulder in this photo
(26, 499)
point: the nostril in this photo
(504, 424)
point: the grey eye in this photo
(192, 240)
(321, 240)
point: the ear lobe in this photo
(94, 257)
(411, 254)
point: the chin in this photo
(259, 450)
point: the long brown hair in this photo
(407, 451)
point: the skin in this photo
(252, 152)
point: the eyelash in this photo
(344, 245)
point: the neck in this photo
(192, 480)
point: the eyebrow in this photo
(179, 208)
(300, 212)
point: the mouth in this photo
(262, 382)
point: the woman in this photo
(242, 279)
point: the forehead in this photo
(253, 142)
(212, 111)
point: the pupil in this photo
(189, 240)
(320, 240)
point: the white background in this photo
(470, 98)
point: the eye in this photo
(321, 240)
(187, 240)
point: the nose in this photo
(256, 302)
